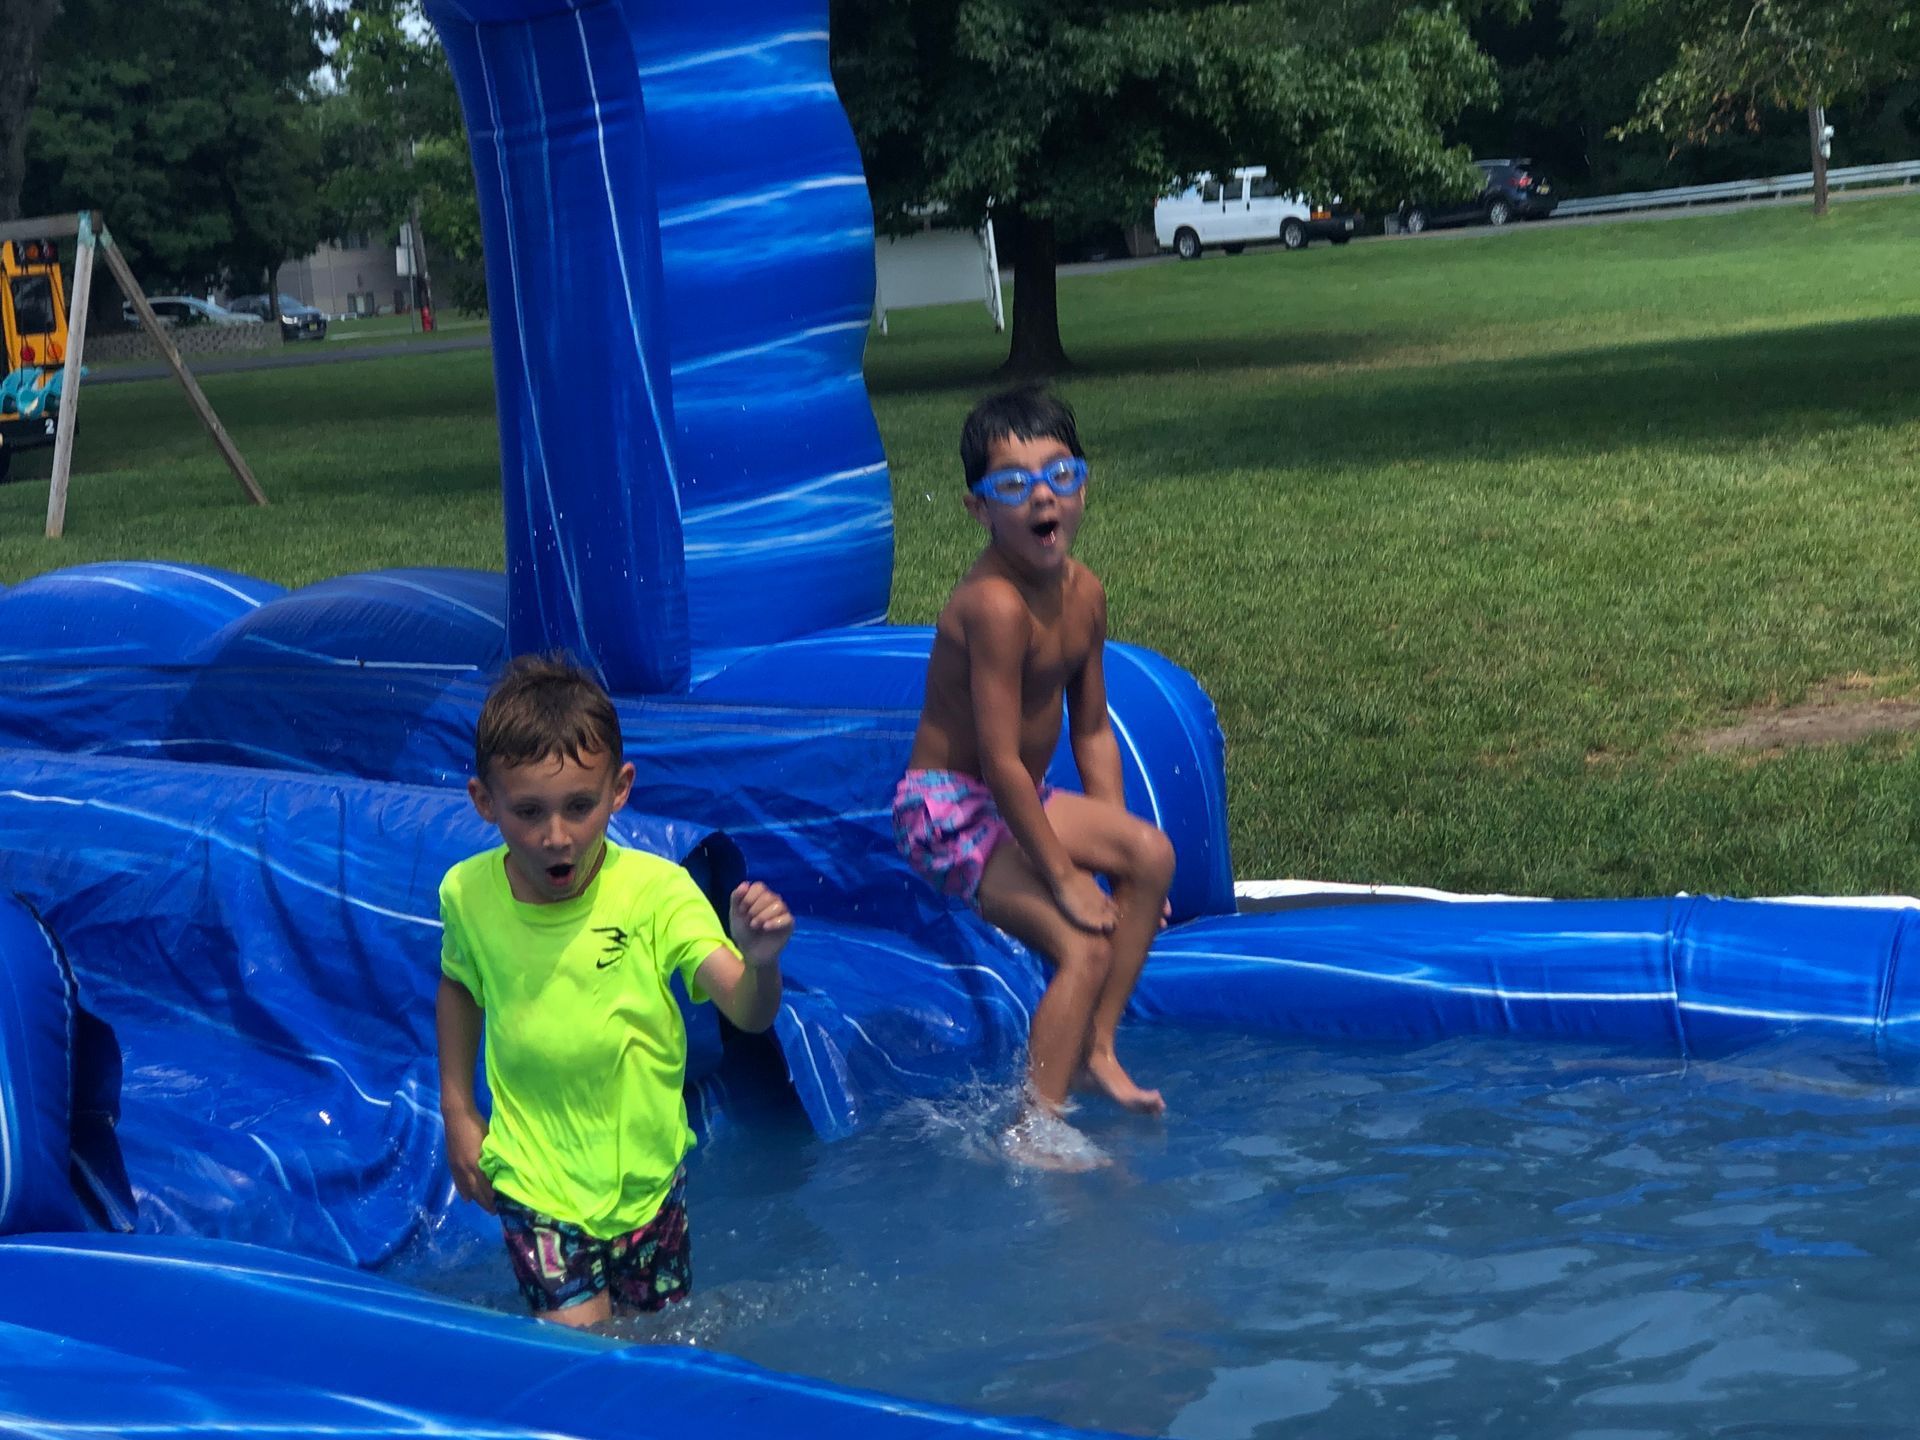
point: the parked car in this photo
(298, 320)
(1246, 208)
(184, 310)
(1512, 190)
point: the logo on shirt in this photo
(616, 946)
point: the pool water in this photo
(1477, 1238)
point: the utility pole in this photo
(422, 283)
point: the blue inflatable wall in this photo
(793, 748)
(679, 308)
(187, 1338)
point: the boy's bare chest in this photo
(1055, 653)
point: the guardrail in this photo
(1902, 172)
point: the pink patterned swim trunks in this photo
(947, 826)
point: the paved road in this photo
(291, 357)
(1484, 232)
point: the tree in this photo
(396, 143)
(184, 123)
(1566, 83)
(1074, 111)
(23, 24)
(1737, 58)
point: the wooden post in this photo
(195, 396)
(46, 227)
(70, 378)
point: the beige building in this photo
(358, 275)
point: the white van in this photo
(1245, 209)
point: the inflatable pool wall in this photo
(679, 309)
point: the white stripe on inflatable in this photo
(800, 1027)
(439, 595)
(1140, 762)
(279, 1170)
(798, 337)
(880, 1049)
(6, 1151)
(647, 383)
(878, 517)
(1283, 889)
(1164, 953)
(121, 1220)
(737, 52)
(200, 833)
(1287, 889)
(520, 323)
(730, 509)
(773, 195)
(114, 580)
(240, 595)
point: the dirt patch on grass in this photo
(1838, 712)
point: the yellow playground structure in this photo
(33, 344)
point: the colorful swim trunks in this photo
(947, 826)
(558, 1264)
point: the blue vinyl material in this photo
(265, 948)
(1690, 977)
(158, 612)
(716, 280)
(208, 1337)
(381, 676)
(230, 807)
(37, 1002)
(60, 1164)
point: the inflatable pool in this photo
(225, 808)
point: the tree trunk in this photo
(1816, 133)
(1034, 350)
(23, 26)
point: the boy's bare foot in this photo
(1112, 1080)
(1044, 1141)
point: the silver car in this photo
(180, 311)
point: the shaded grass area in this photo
(1466, 538)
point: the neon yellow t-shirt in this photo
(585, 1049)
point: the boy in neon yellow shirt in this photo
(561, 945)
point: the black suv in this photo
(298, 321)
(1513, 190)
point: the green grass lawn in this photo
(379, 329)
(1467, 537)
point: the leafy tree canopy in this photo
(1056, 112)
(185, 123)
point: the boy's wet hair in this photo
(545, 707)
(1031, 412)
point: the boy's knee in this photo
(1087, 955)
(1153, 856)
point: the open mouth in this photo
(560, 874)
(1047, 532)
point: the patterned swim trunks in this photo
(946, 825)
(558, 1264)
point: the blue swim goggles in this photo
(1011, 487)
